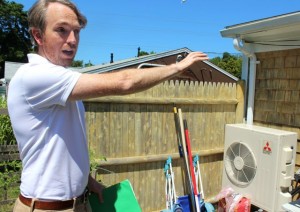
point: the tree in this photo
(77, 63)
(88, 64)
(142, 53)
(230, 63)
(15, 41)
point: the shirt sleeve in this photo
(45, 86)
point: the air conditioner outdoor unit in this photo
(259, 162)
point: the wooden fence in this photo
(136, 134)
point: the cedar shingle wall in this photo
(277, 94)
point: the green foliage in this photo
(142, 53)
(6, 132)
(94, 160)
(7, 168)
(77, 63)
(14, 36)
(230, 63)
(10, 170)
(8, 173)
(88, 64)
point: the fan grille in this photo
(240, 164)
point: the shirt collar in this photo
(36, 58)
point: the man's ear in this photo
(37, 35)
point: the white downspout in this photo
(249, 77)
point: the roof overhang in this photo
(269, 34)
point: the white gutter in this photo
(249, 75)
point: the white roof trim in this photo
(260, 25)
(269, 34)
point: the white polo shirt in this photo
(50, 130)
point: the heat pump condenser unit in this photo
(259, 162)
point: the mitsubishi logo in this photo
(267, 149)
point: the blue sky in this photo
(121, 26)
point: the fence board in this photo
(9, 157)
(8, 148)
(9, 152)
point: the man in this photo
(47, 114)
